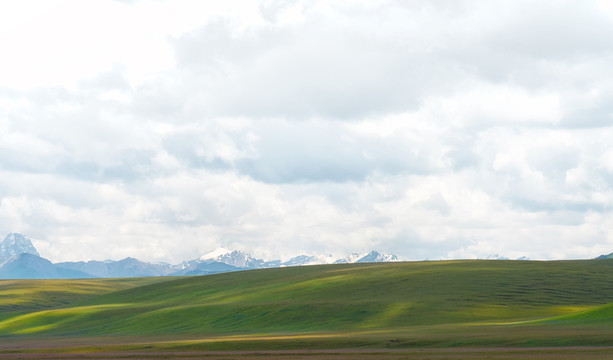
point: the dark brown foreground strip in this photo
(566, 353)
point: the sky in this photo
(442, 129)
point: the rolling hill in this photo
(446, 303)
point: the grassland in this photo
(29, 295)
(544, 308)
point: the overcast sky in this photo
(428, 129)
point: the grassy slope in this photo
(397, 304)
(29, 295)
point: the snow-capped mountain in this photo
(220, 251)
(243, 260)
(236, 258)
(16, 244)
(354, 257)
(222, 260)
(309, 260)
(19, 259)
(373, 256)
(498, 257)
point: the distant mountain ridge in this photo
(241, 259)
(128, 267)
(20, 260)
(29, 266)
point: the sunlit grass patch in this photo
(48, 320)
(589, 315)
(19, 295)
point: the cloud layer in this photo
(443, 129)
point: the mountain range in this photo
(19, 259)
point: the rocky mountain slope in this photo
(15, 244)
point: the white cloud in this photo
(443, 129)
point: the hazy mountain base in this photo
(20, 260)
(28, 266)
(356, 306)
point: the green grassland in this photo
(440, 304)
(28, 295)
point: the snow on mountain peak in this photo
(373, 256)
(310, 260)
(16, 244)
(236, 258)
(353, 257)
(243, 260)
(220, 251)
